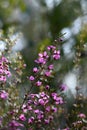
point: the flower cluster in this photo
(13, 125)
(40, 108)
(4, 69)
(44, 106)
(80, 121)
(45, 69)
(51, 52)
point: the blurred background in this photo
(43, 21)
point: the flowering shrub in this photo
(44, 109)
(40, 109)
(4, 69)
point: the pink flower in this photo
(63, 87)
(41, 60)
(14, 123)
(56, 55)
(29, 108)
(59, 100)
(36, 111)
(41, 101)
(38, 83)
(50, 118)
(46, 121)
(7, 73)
(31, 78)
(48, 108)
(40, 55)
(3, 95)
(45, 54)
(30, 120)
(82, 115)
(22, 117)
(3, 78)
(40, 115)
(47, 87)
(47, 73)
(24, 65)
(54, 95)
(51, 47)
(1, 71)
(35, 70)
(54, 109)
(4, 59)
(4, 69)
(50, 67)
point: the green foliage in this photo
(42, 45)
(63, 15)
(6, 11)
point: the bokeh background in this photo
(43, 21)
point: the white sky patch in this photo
(71, 81)
(2, 46)
(67, 46)
(76, 26)
(50, 3)
(84, 6)
(19, 42)
(18, 45)
(66, 32)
